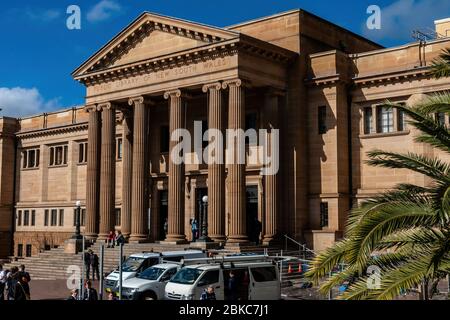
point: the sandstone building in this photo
(319, 84)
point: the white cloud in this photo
(43, 15)
(400, 18)
(103, 10)
(20, 102)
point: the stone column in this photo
(93, 169)
(271, 192)
(127, 167)
(107, 169)
(236, 165)
(216, 165)
(140, 176)
(176, 172)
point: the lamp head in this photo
(78, 203)
(205, 199)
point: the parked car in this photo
(149, 284)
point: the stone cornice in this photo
(53, 131)
(395, 76)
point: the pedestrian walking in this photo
(90, 294)
(208, 294)
(94, 265)
(166, 227)
(3, 275)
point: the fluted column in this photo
(127, 173)
(236, 169)
(139, 197)
(216, 166)
(92, 179)
(107, 169)
(175, 219)
(271, 227)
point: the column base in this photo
(238, 239)
(205, 245)
(175, 239)
(138, 238)
(218, 238)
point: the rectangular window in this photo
(322, 119)
(46, 217)
(58, 155)
(30, 158)
(54, 217)
(61, 217)
(26, 217)
(324, 214)
(164, 139)
(385, 119)
(28, 250)
(19, 217)
(368, 121)
(440, 118)
(82, 152)
(401, 122)
(83, 217)
(118, 217)
(33, 217)
(119, 151)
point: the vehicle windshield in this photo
(151, 273)
(186, 276)
(132, 264)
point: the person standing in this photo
(11, 280)
(26, 274)
(73, 295)
(21, 288)
(208, 294)
(232, 286)
(194, 229)
(87, 263)
(3, 274)
(166, 227)
(90, 294)
(94, 265)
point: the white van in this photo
(255, 280)
(138, 262)
(149, 284)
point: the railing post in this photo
(120, 270)
(100, 288)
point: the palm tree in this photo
(405, 232)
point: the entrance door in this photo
(163, 212)
(252, 213)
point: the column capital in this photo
(90, 108)
(139, 100)
(105, 105)
(176, 93)
(235, 83)
(212, 86)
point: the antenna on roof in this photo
(425, 35)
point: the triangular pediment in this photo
(151, 36)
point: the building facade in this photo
(320, 85)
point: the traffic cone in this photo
(290, 268)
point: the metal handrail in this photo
(301, 245)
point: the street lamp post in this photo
(77, 234)
(204, 237)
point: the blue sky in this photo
(39, 52)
